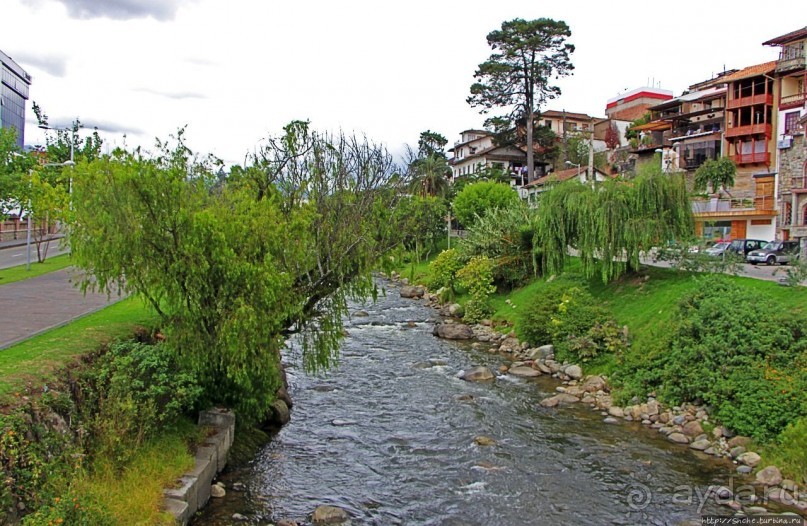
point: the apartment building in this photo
(791, 72)
(14, 84)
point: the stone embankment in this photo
(686, 425)
(196, 487)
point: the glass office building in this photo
(13, 94)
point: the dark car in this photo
(740, 247)
(775, 252)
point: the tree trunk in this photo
(530, 150)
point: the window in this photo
(548, 123)
(791, 122)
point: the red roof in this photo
(799, 34)
(750, 71)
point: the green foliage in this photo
(230, 264)
(477, 278)
(137, 390)
(477, 199)
(717, 173)
(506, 236)
(736, 351)
(788, 451)
(568, 316)
(69, 510)
(443, 271)
(612, 224)
(65, 144)
(527, 55)
(14, 167)
(421, 223)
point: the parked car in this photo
(740, 247)
(775, 252)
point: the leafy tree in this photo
(61, 142)
(612, 224)
(421, 222)
(427, 168)
(14, 167)
(431, 143)
(47, 199)
(717, 173)
(527, 56)
(231, 268)
(577, 149)
(612, 137)
(476, 199)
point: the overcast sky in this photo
(236, 71)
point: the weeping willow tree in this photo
(233, 264)
(610, 225)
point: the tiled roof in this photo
(569, 115)
(750, 71)
(798, 34)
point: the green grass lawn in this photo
(18, 273)
(36, 358)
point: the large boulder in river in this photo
(477, 374)
(329, 515)
(524, 371)
(559, 399)
(453, 331)
(280, 412)
(412, 291)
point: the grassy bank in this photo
(19, 273)
(35, 359)
(736, 344)
(104, 447)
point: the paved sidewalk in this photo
(35, 305)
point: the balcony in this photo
(762, 98)
(752, 158)
(792, 101)
(751, 129)
(735, 206)
(791, 59)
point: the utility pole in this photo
(590, 176)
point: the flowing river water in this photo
(389, 437)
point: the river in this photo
(389, 437)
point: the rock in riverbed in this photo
(477, 374)
(559, 399)
(329, 515)
(409, 291)
(453, 331)
(524, 372)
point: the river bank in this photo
(758, 487)
(393, 436)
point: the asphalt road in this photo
(13, 256)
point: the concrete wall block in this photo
(204, 470)
(217, 417)
(186, 492)
(179, 509)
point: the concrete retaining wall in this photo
(211, 457)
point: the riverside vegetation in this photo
(228, 267)
(734, 349)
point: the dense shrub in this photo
(443, 271)
(477, 199)
(137, 388)
(567, 316)
(477, 278)
(734, 350)
(506, 236)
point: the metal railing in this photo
(751, 158)
(733, 204)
